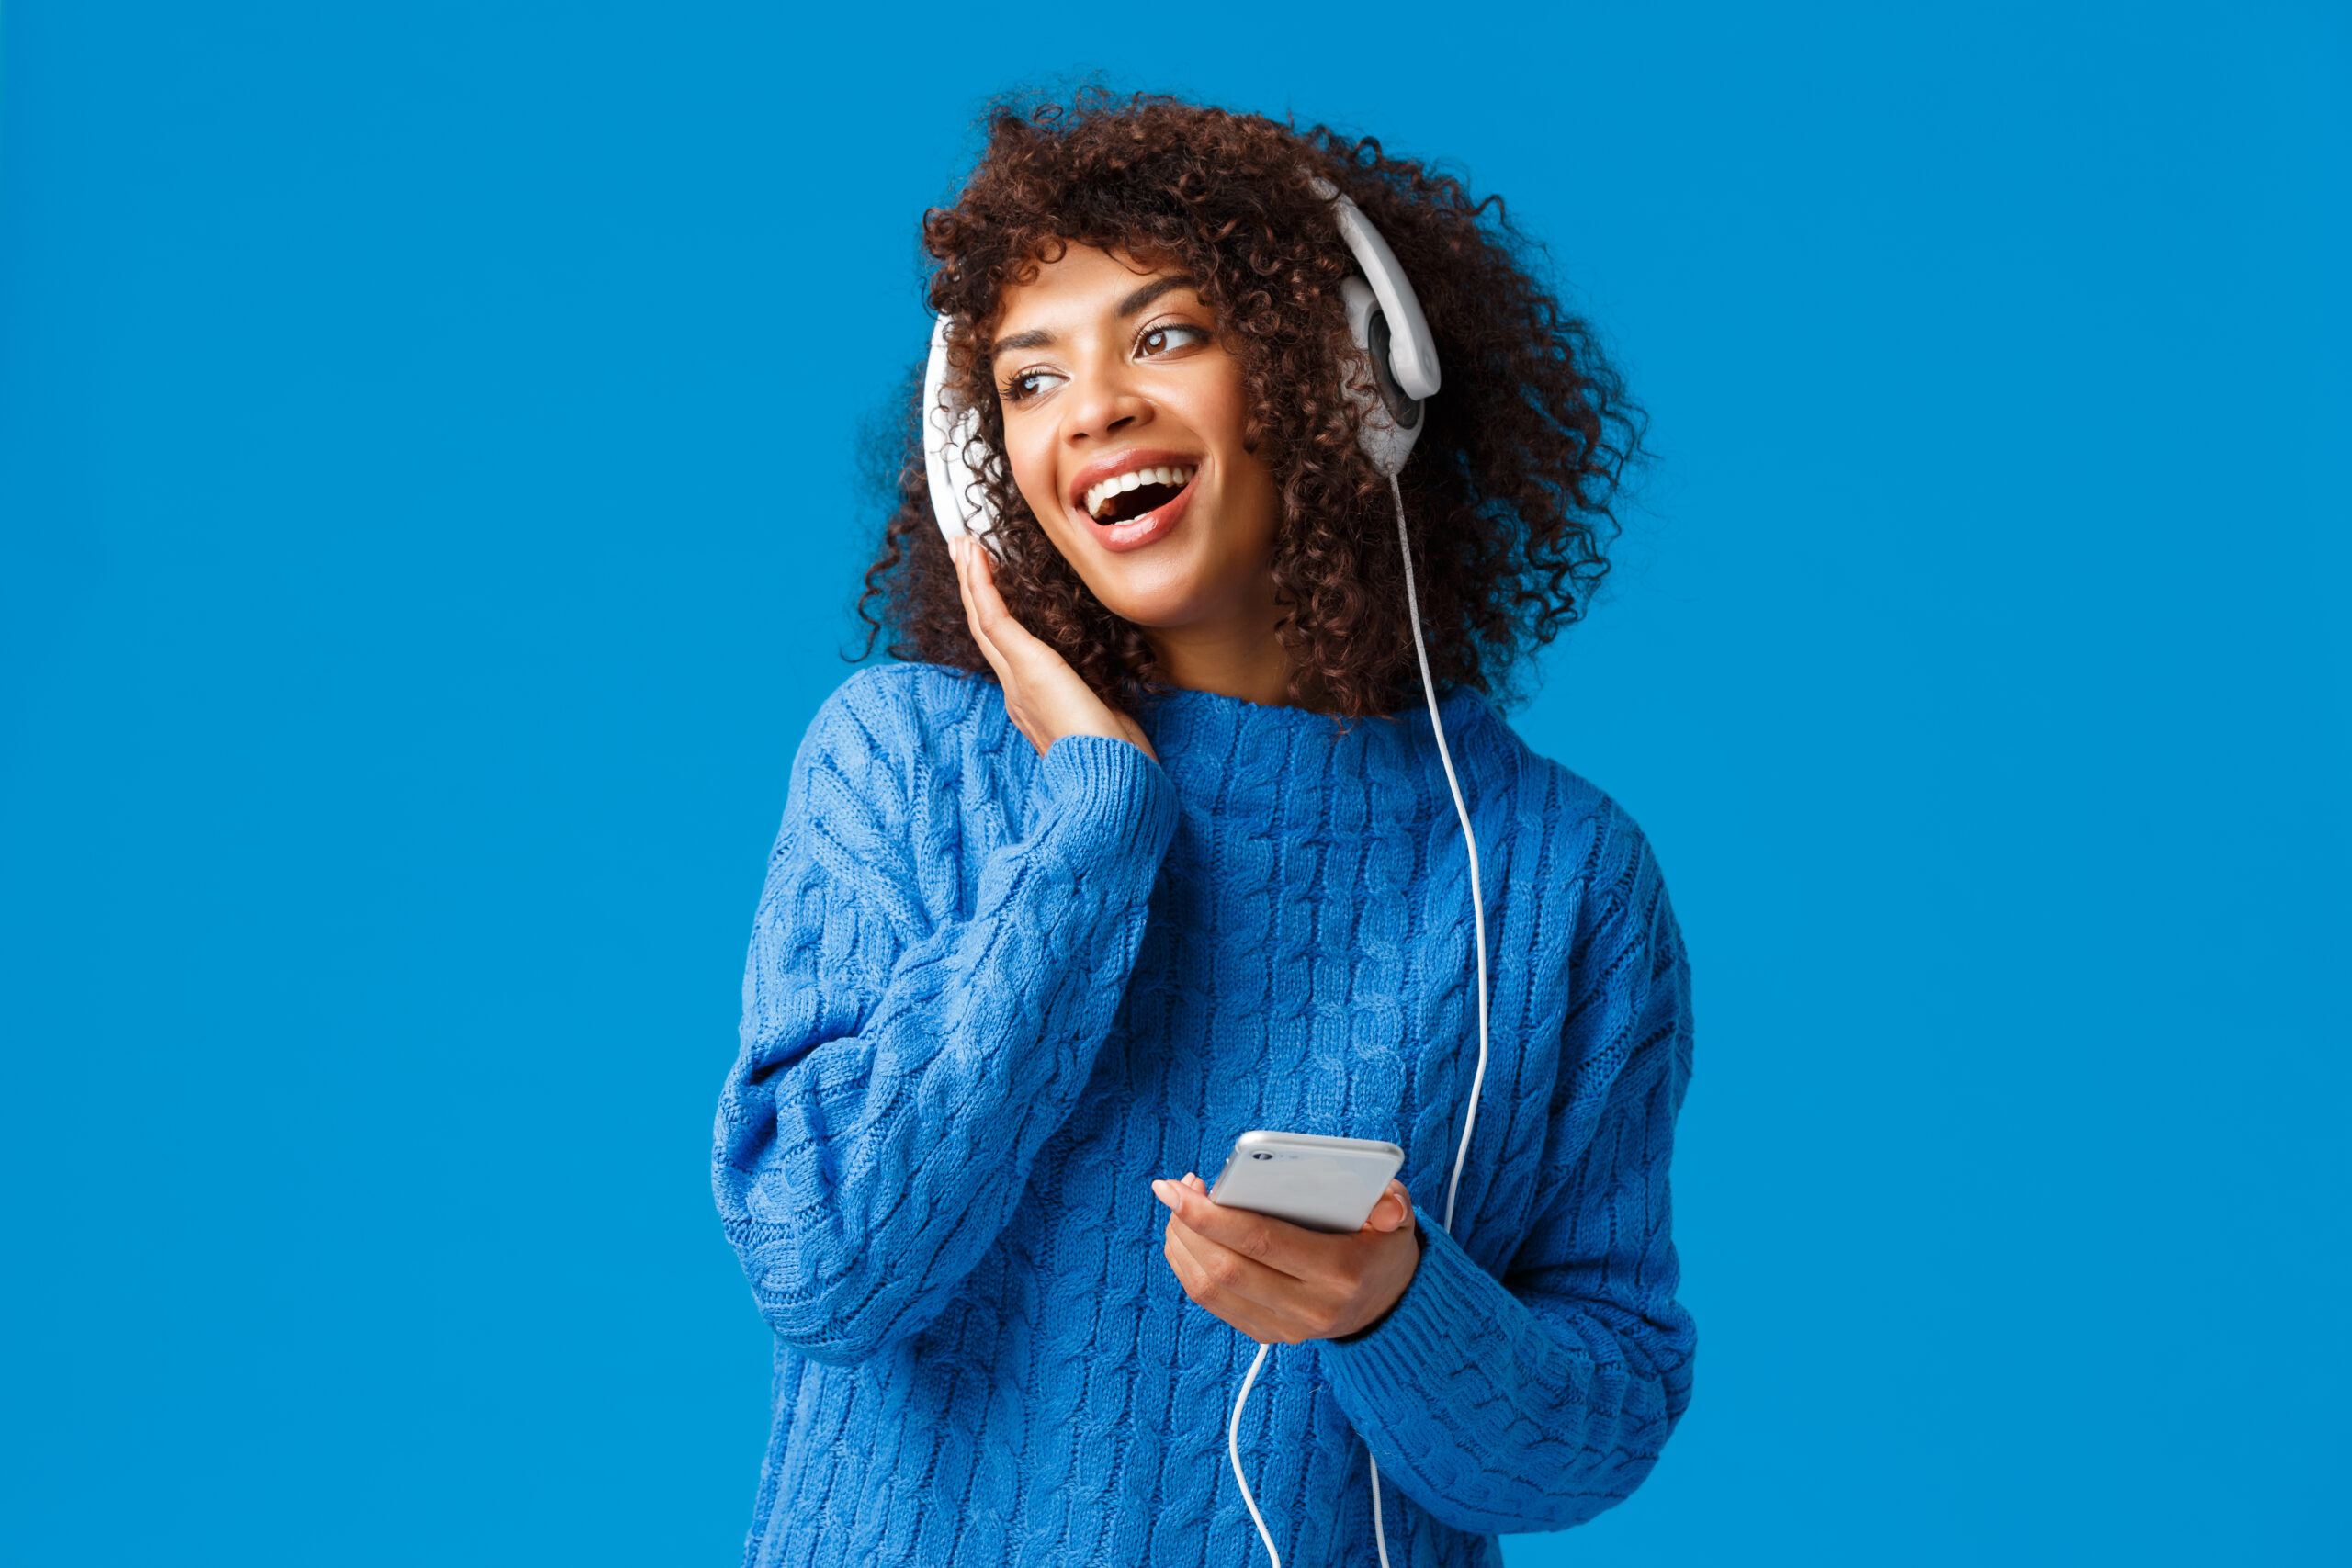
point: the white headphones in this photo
(1383, 316)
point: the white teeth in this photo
(1098, 495)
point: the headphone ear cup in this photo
(956, 502)
(1387, 422)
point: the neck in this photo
(1234, 655)
(1252, 667)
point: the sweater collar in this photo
(1210, 742)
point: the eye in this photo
(1027, 384)
(1168, 336)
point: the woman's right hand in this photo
(1046, 698)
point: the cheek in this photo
(1250, 515)
(1032, 473)
(1222, 414)
(1261, 502)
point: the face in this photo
(1124, 412)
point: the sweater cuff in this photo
(1109, 792)
(1420, 1344)
(1420, 1240)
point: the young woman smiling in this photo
(1147, 843)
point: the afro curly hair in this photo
(1510, 491)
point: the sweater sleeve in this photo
(901, 1064)
(1539, 1399)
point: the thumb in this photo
(1394, 1211)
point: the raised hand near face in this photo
(1045, 697)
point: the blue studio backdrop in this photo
(430, 495)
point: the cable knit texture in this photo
(991, 996)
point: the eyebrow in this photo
(1153, 290)
(1038, 337)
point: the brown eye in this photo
(1029, 384)
(1161, 340)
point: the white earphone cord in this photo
(1478, 1080)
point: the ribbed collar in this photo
(1255, 761)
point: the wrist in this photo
(1421, 1248)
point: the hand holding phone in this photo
(1333, 1271)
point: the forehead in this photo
(1083, 280)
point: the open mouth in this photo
(1123, 498)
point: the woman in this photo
(1150, 844)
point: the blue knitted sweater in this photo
(991, 995)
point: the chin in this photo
(1152, 611)
(1158, 592)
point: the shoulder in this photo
(1574, 847)
(878, 774)
(889, 747)
(1627, 971)
(896, 722)
(1577, 828)
(888, 709)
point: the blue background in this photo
(428, 465)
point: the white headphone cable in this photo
(1478, 899)
(1478, 1080)
(1233, 1449)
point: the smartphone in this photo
(1325, 1184)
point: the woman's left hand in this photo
(1043, 696)
(1273, 1279)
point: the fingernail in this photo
(1163, 1191)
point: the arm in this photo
(888, 1053)
(1538, 1400)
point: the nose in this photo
(1107, 404)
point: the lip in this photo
(1137, 532)
(1111, 465)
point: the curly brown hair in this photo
(1509, 493)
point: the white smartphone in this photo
(1325, 1184)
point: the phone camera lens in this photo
(1261, 1154)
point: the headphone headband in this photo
(1412, 353)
